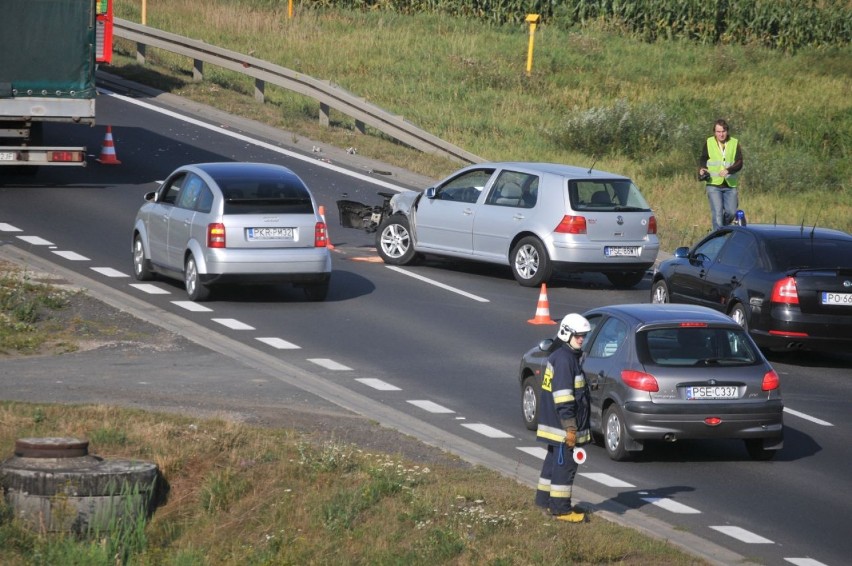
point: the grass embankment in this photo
(244, 495)
(595, 96)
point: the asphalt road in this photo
(433, 350)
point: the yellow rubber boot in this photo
(572, 517)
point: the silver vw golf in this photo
(215, 223)
(533, 217)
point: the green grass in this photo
(465, 82)
(241, 495)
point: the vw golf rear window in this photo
(617, 195)
(696, 346)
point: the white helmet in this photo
(573, 324)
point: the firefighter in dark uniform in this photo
(563, 420)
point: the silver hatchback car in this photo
(216, 223)
(534, 217)
(666, 373)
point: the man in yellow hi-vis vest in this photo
(722, 159)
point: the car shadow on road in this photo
(806, 358)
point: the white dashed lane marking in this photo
(378, 384)
(36, 241)
(109, 272)
(742, 535)
(431, 407)
(150, 289)
(8, 228)
(232, 323)
(536, 451)
(278, 343)
(804, 562)
(671, 505)
(71, 256)
(807, 417)
(486, 430)
(191, 306)
(607, 480)
(329, 364)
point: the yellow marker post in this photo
(290, 9)
(532, 20)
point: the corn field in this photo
(777, 24)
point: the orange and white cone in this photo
(542, 311)
(108, 150)
(329, 245)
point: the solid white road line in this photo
(232, 323)
(378, 384)
(278, 343)
(430, 406)
(150, 289)
(486, 430)
(742, 535)
(329, 364)
(109, 272)
(437, 284)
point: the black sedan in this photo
(665, 373)
(789, 286)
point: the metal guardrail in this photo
(327, 94)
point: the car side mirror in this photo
(545, 345)
(682, 252)
(151, 197)
(430, 193)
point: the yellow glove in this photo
(571, 437)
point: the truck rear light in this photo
(216, 235)
(652, 225)
(65, 156)
(770, 381)
(572, 225)
(785, 291)
(320, 235)
(639, 380)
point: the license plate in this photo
(837, 298)
(8, 156)
(712, 392)
(621, 251)
(255, 234)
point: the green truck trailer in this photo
(49, 51)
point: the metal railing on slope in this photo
(327, 94)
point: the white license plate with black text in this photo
(7, 156)
(621, 251)
(712, 392)
(837, 298)
(265, 234)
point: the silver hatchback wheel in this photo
(529, 404)
(140, 264)
(531, 265)
(394, 242)
(615, 435)
(196, 290)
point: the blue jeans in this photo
(723, 205)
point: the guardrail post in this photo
(323, 114)
(197, 70)
(259, 88)
(359, 125)
(140, 53)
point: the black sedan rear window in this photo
(696, 345)
(787, 253)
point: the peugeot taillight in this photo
(770, 381)
(639, 380)
(320, 235)
(572, 225)
(652, 225)
(785, 291)
(216, 235)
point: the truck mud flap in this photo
(358, 215)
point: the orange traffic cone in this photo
(542, 311)
(329, 245)
(108, 150)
